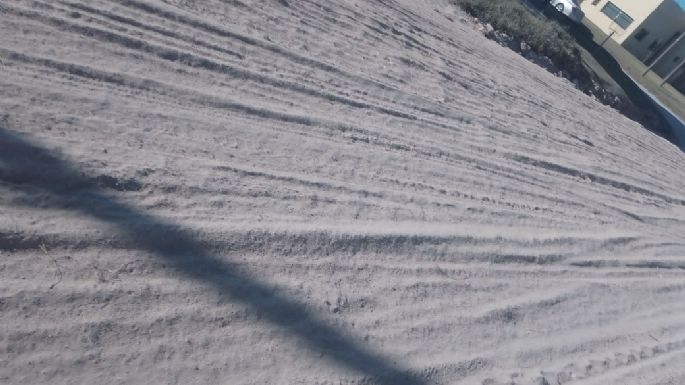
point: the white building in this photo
(646, 29)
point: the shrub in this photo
(544, 36)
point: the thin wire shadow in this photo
(29, 167)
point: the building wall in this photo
(656, 24)
(669, 62)
(638, 10)
(662, 28)
(679, 82)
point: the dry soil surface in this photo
(321, 192)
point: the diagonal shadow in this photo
(29, 167)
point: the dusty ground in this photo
(306, 192)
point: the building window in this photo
(677, 59)
(617, 15)
(641, 34)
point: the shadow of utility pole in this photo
(31, 168)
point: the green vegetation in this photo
(544, 36)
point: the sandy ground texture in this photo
(321, 192)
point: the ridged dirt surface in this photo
(321, 192)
